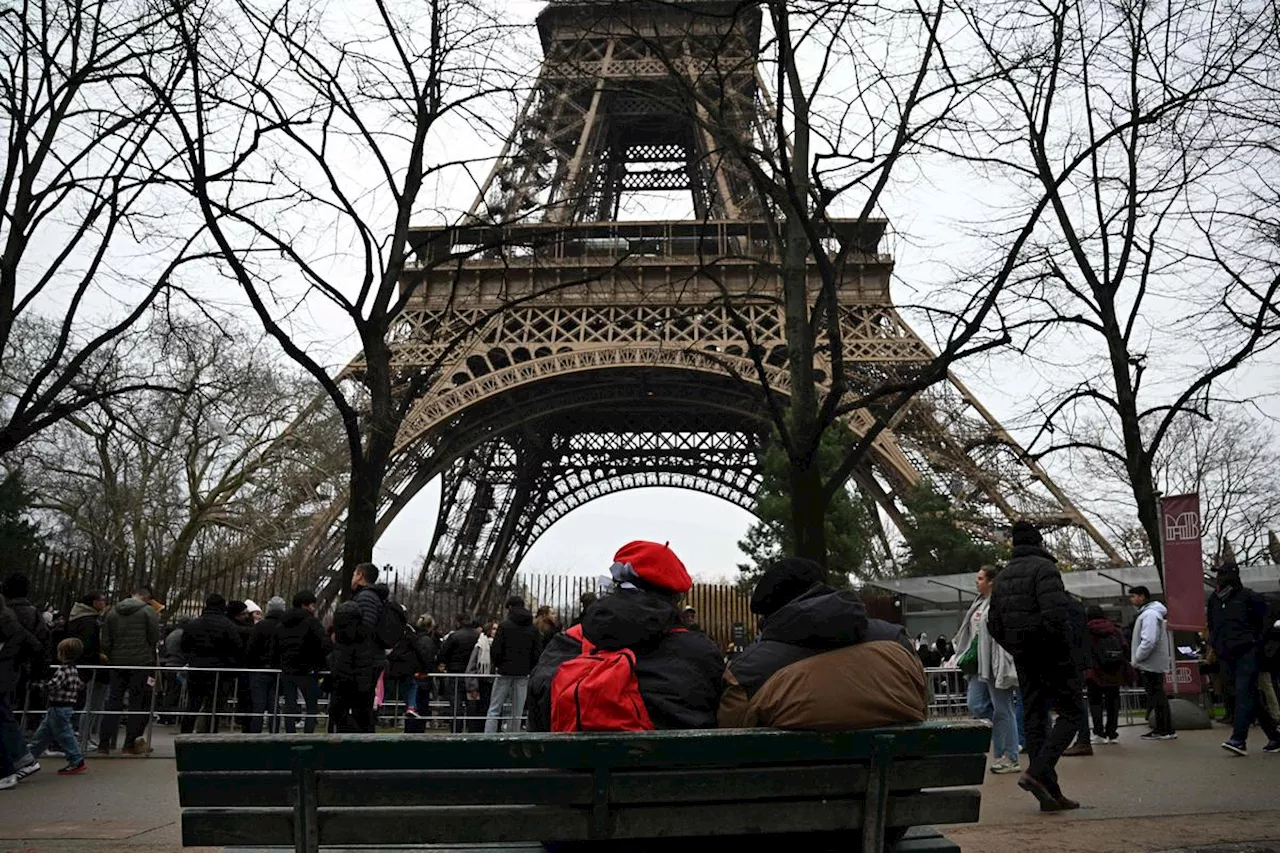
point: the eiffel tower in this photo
(573, 355)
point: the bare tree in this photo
(1230, 459)
(868, 95)
(310, 142)
(147, 480)
(86, 247)
(1140, 125)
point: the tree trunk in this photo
(808, 500)
(379, 435)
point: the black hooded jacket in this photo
(517, 644)
(818, 621)
(678, 671)
(212, 640)
(352, 661)
(263, 651)
(302, 643)
(1029, 613)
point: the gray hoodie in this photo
(1152, 648)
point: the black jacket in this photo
(678, 671)
(30, 619)
(16, 646)
(370, 600)
(212, 640)
(517, 644)
(302, 644)
(85, 625)
(263, 651)
(416, 652)
(1030, 609)
(352, 662)
(1237, 622)
(455, 651)
(818, 621)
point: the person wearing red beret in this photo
(678, 671)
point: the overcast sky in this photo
(936, 218)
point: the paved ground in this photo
(1185, 795)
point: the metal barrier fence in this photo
(211, 700)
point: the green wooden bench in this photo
(259, 791)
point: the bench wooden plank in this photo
(560, 787)
(499, 823)
(631, 750)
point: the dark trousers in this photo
(1157, 702)
(1055, 687)
(1105, 701)
(134, 683)
(456, 696)
(8, 732)
(1243, 673)
(351, 709)
(262, 692)
(309, 687)
(205, 691)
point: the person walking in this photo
(1238, 622)
(515, 652)
(1030, 617)
(1109, 670)
(130, 634)
(303, 648)
(16, 646)
(1080, 657)
(991, 674)
(62, 694)
(1153, 659)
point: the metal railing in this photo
(221, 699)
(209, 700)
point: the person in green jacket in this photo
(129, 637)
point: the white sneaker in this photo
(1005, 765)
(27, 770)
(10, 781)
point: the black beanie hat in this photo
(783, 582)
(1026, 533)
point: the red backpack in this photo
(597, 692)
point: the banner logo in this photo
(1182, 527)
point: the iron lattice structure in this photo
(571, 356)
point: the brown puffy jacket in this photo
(821, 664)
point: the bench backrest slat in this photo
(498, 824)
(354, 788)
(578, 752)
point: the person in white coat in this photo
(991, 675)
(1153, 658)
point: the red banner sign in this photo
(1188, 672)
(1183, 562)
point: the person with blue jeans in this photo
(62, 693)
(992, 676)
(1237, 623)
(515, 651)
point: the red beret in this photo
(650, 564)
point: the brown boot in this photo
(1079, 749)
(1048, 802)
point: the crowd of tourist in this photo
(1046, 671)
